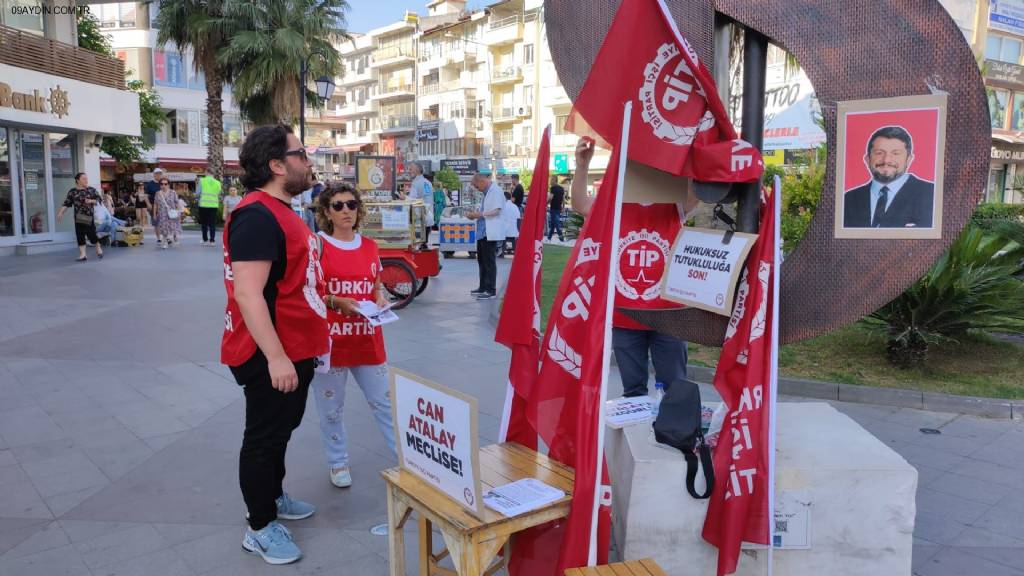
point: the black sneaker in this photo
(476, 292)
(485, 295)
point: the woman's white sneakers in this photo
(341, 477)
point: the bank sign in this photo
(1007, 15)
(34, 98)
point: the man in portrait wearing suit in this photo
(894, 198)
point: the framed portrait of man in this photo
(890, 162)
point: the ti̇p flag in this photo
(679, 123)
(746, 379)
(519, 323)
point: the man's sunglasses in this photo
(301, 153)
(352, 205)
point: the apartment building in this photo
(180, 146)
(57, 102)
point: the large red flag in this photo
(679, 123)
(519, 323)
(565, 406)
(740, 504)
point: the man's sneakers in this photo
(290, 509)
(477, 291)
(341, 477)
(485, 295)
(273, 543)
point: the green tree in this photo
(123, 149)
(526, 177)
(447, 177)
(268, 47)
(200, 26)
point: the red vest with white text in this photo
(353, 274)
(299, 311)
(645, 242)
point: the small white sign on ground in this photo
(703, 269)
(792, 530)
(436, 436)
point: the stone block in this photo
(862, 492)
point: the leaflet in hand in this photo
(375, 315)
(521, 496)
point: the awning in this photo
(1007, 138)
(795, 127)
(354, 147)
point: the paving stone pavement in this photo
(119, 430)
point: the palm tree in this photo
(271, 42)
(200, 26)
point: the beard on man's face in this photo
(884, 178)
(297, 181)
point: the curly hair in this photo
(323, 205)
(262, 145)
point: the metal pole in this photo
(755, 57)
(723, 41)
(302, 102)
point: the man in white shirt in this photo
(420, 189)
(490, 230)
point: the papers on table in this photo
(521, 496)
(624, 411)
(375, 315)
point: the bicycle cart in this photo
(407, 267)
(457, 232)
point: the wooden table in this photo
(472, 543)
(645, 567)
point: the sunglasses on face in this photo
(165, 183)
(301, 153)
(352, 205)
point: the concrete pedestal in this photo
(862, 500)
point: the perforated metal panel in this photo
(850, 51)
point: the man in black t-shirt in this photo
(151, 188)
(518, 194)
(556, 200)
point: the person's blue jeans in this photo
(631, 347)
(329, 392)
(555, 223)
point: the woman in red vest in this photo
(351, 265)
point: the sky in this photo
(369, 14)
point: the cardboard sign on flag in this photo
(679, 123)
(519, 323)
(740, 504)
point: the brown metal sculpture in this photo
(879, 49)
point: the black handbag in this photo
(678, 425)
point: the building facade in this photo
(57, 102)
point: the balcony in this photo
(356, 76)
(393, 56)
(507, 75)
(504, 31)
(397, 124)
(504, 115)
(391, 90)
(23, 50)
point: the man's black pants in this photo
(270, 418)
(487, 261)
(208, 222)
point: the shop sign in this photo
(1007, 154)
(1007, 16)
(1004, 72)
(461, 166)
(428, 131)
(561, 163)
(57, 103)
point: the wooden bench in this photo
(472, 543)
(645, 567)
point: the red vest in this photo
(645, 242)
(299, 311)
(353, 274)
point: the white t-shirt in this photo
(510, 216)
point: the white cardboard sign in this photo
(394, 217)
(703, 271)
(436, 437)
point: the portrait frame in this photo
(924, 119)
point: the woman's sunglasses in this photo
(352, 205)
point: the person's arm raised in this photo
(581, 201)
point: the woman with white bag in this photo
(168, 214)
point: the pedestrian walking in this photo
(510, 216)
(351, 264)
(152, 187)
(142, 206)
(82, 199)
(556, 202)
(209, 205)
(490, 231)
(231, 201)
(274, 327)
(167, 215)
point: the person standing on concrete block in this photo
(645, 241)
(275, 327)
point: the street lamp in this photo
(324, 90)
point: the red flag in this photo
(679, 123)
(740, 503)
(519, 323)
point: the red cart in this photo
(399, 231)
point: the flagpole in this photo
(774, 378)
(613, 271)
